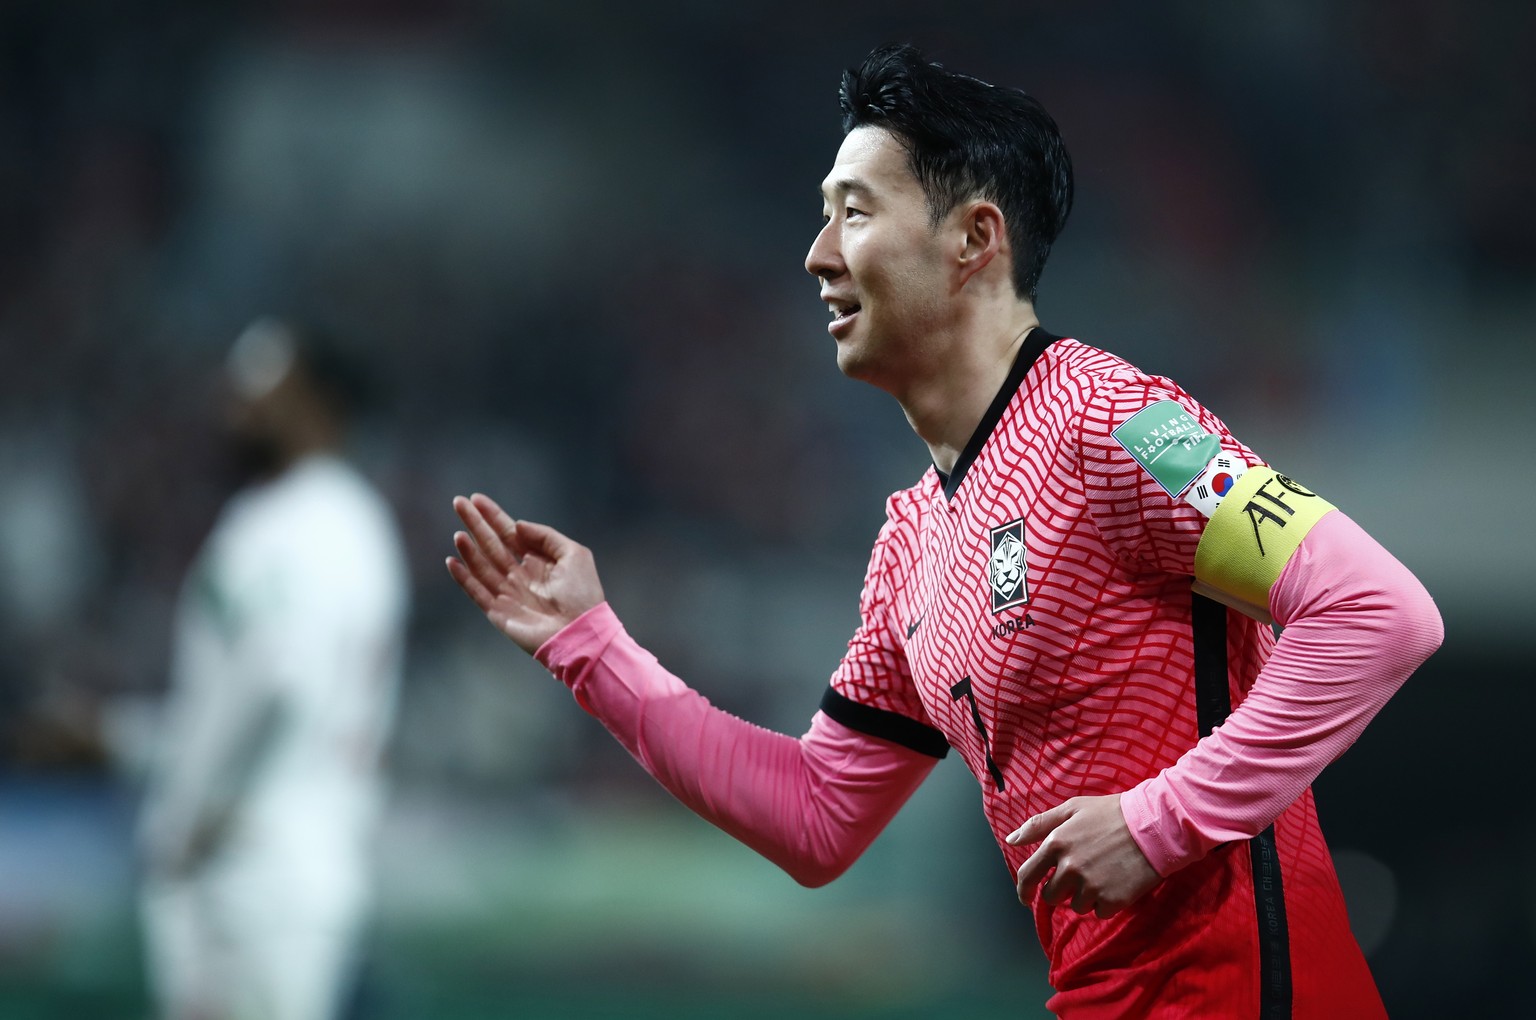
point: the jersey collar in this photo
(1030, 350)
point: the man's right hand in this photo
(528, 579)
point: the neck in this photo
(307, 439)
(945, 406)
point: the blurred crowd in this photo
(565, 240)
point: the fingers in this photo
(1057, 887)
(1040, 826)
(501, 522)
(1085, 858)
(541, 540)
(480, 565)
(1039, 864)
(1063, 882)
(477, 592)
(505, 540)
(1033, 871)
(489, 538)
(498, 551)
(499, 554)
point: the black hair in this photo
(330, 365)
(967, 139)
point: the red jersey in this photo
(1033, 610)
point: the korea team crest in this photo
(1006, 568)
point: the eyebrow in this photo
(843, 186)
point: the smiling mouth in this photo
(843, 314)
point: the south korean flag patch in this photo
(1207, 491)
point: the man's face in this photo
(881, 264)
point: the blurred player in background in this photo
(1076, 598)
(258, 824)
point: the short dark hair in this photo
(339, 373)
(333, 372)
(967, 139)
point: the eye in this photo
(856, 212)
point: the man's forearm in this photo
(1357, 624)
(811, 805)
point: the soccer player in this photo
(259, 823)
(1076, 598)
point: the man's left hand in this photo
(1098, 866)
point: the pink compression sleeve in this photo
(1357, 623)
(811, 805)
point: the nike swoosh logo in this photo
(912, 627)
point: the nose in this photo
(825, 260)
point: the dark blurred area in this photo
(566, 242)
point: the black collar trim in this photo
(1030, 350)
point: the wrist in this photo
(578, 642)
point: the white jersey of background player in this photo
(262, 809)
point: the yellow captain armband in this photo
(1251, 536)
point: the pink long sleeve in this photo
(811, 805)
(1357, 624)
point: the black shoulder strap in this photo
(1213, 703)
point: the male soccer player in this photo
(258, 828)
(1076, 598)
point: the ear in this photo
(984, 238)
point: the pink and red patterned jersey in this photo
(1034, 611)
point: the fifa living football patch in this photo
(1168, 441)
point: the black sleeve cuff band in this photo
(878, 722)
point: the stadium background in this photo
(567, 237)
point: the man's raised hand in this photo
(528, 579)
